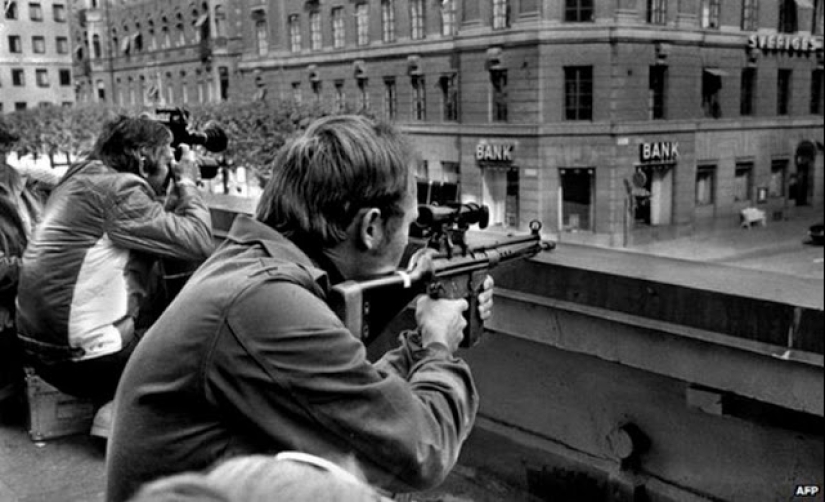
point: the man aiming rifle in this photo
(250, 357)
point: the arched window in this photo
(180, 30)
(153, 43)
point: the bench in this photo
(751, 215)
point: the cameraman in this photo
(89, 283)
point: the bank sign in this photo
(785, 43)
(662, 151)
(495, 152)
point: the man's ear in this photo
(140, 158)
(370, 229)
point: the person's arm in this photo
(9, 272)
(303, 364)
(138, 221)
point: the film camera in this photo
(211, 137)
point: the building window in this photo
(705, 181)
(419, 98)
(417, 19)
(59, 12)
(19, 106)
(776, 185)
(11, 10)
(338, 39)
(363, 94)
(783, 92)
(35, 11)
(578, 11)
(449, 94)
(787, 16)
(578, 92)
(577, 187)
(362, 23)
(498, 79)
(101, 90)
(315, 30)
(819, 18)
(316, 90)
(817, 87)
(62, 44)
(747, 93)
(750, 15)
(42, 77)
(657, 92)
(38, 45)
(711, 89)
(388, 20)
(657, 11)
(65, 77)
(294, 22)
(710, 14)
(262, 37)
(15, 44)
(340, 97)
(743, 182)
(18, 77)
(390, 99)
(501, 14)
(448, 18)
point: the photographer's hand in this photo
(187, 167)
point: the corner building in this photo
(611, 122)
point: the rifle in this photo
(457, 270)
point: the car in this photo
(815, 232)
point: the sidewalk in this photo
(738, 245)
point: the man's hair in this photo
(257, 478)
(121, 139)
(323, 177)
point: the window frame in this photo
(748, 168)
(390, 98)
(449, 95)
(747, 92)
(36, 12)
(501, 14)
(294, 24)
(38, 44)
(418, 16)
(575, 11)
(750, 15)
(657, 92)
(362, 23)
(338, 28)
(388, 21)
(656, 12)
(784, 90)
(499, 100)
(418, 86)
(578, 93)
(710, 14)
(18, 77)
(41, 77)
(705, 197)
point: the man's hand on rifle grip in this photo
(440, 321)
(485, 299)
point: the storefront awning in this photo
(807, 4)
(716, 72)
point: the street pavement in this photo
(72, 469)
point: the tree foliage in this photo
(256, 130)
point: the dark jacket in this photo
(249, 358)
